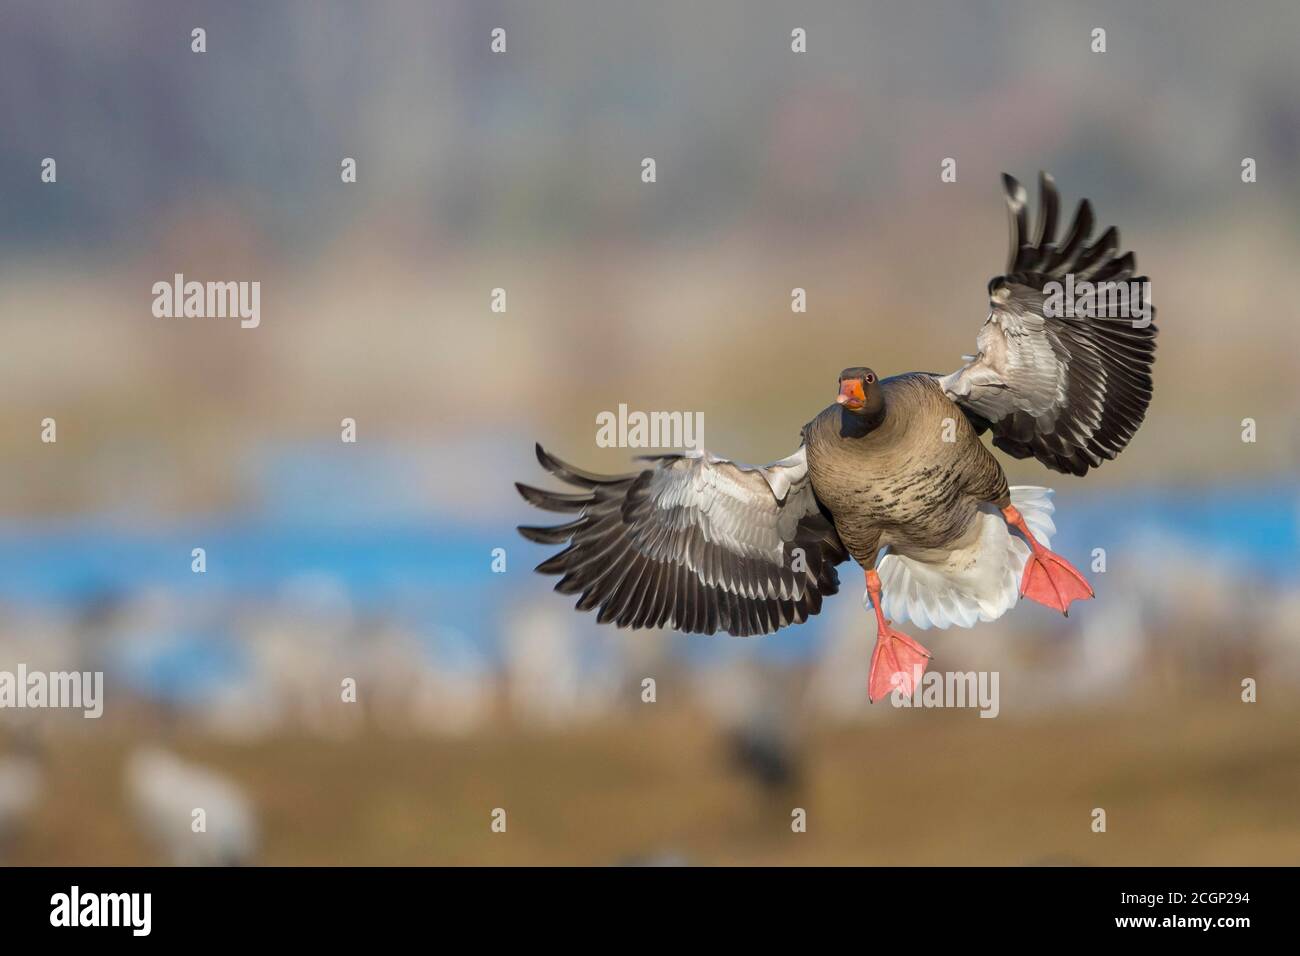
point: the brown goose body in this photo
(895, 482)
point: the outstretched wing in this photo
(1069, 389)
(693, 542)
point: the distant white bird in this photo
(167, 794)
(557, 676)
(448, 690)
(21, 782)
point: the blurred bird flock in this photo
(373, 560)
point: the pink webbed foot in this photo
(897, 661)
(1049, 579)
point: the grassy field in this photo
(1195, 786)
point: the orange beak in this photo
(851, 395)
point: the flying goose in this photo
(893, 474)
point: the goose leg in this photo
(895, 660)
(1049, 579)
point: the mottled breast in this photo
(914, 481)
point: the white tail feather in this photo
(979, 580)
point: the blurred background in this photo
(373, 561)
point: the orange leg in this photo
(896, 656)
(1049, 579)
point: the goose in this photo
(22, 780)
(165, 794)
(894, 474)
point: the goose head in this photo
(860, 393)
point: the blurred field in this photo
(1209, 784)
